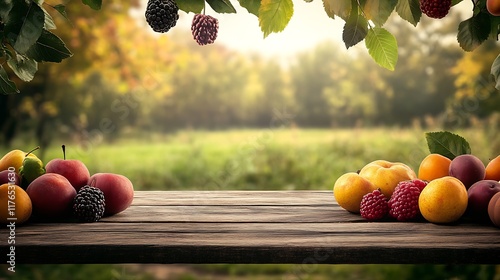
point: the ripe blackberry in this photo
(435, 8)
(403, 204)
(88, 205)
(204, 29)
(374, 206)
(162, 15)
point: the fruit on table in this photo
(349, 190)
(51, 195)
(386, 175)
(7, 176)
(443, 200)
(374, 206)
(493, 7)
(14, 159)
(118, 191)
(32, 168)
(74, 170)
(468, 169)
(20, 210)
(89, 204)
(493, 168)
(494, 209)
(480, 194)
(434, 166)
(403, 204)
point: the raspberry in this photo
(374, 206)
(420, 184)
(88, 204)
(204, 29)
(162, 15)
(435, 8)
(403, 204)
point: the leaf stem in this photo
(363, 12)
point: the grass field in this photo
(259, 159)
(255, 159)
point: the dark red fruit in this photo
(204, 29)
(374, 206)
(435, 8)
(403, 204)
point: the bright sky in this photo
(309, 26)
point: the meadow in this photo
(254, 159)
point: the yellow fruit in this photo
(434, 166)
(443, 200)
(21, 208)
(349, 189)
(493, 170)
(14, 159)
(386, 175)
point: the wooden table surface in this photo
(249, 227)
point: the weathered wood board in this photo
(249, 227)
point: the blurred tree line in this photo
(124, 77)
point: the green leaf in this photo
(454, 2)
(24, 68)
(355, 29)
(62, 10)
(341, 8)
(379, 10)
(49, 21)
(383, 47)
(94, 4)
(473, 31)
(252, 6)
(49, 48)
(222, 6)
(409, 10)
(194, 6)
(6, 85)
(447, 144)
(495, 71)
(24, 26)
(274, 15)
(5, 7)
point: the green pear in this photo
(32, 168)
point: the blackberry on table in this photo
(162, 15)
(204, 29)
(89, 204)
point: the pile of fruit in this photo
(63, 188)
(451, 183)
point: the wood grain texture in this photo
(249, 227)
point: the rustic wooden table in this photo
(249, 227)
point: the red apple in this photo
(51, 195)
(480, 194)
(7, 176)
(118, 191)
(74, 170)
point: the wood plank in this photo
(249, 227)
(145, 198)
(261, 243)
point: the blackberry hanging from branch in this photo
(204, 29)
(435, 8)
(162, 15)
